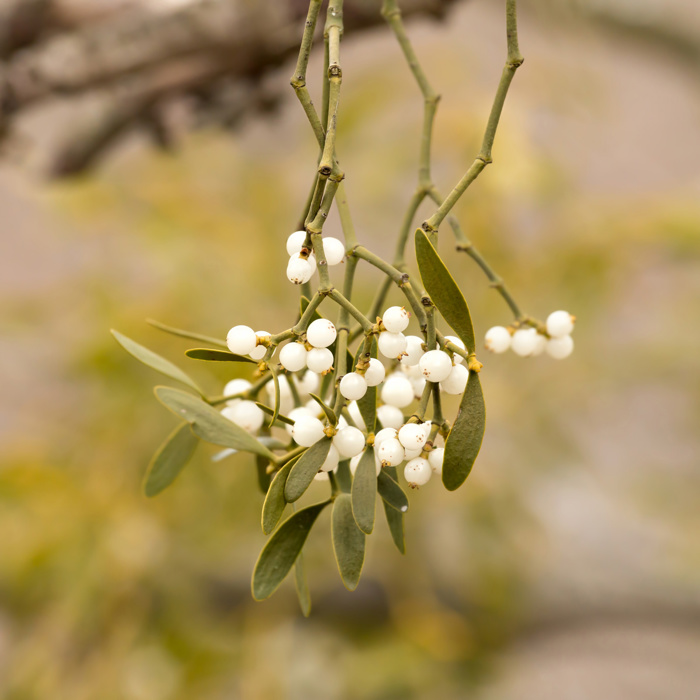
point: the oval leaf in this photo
(270, 412)
(274, 504)
(348, 542)
(154, 361)
(332, 418)
(169, 460)
(304, 471)
(211, 355)
(464, 441)
(394, 518)
(186, 334)
(282, 549)
(208, 423)
(367, 405)
(443, 290)
(391, 492)
(264, 479)
(364, 492)
(303, 593)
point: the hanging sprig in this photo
(319, 410)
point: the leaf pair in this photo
(465, 438)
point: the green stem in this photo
(306, 317)
(348, 306)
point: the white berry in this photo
(391, 453)
(457, 359)
(293, 357)
(418, 385)
(412, 454)
(331, 462)
(297, 413)
(417, 472)
(457, 381)
(413, 352)
(354, 411)
(353, 386)
(349, 442)
(435, 459)
(299, 270)
(559, 348)
(395, 319)
(334, 250)
(524, 341)
(321, 476)
(241, 340)
(436, 365)
(412, 436)
(309, 382)
(375, 373)
(321, 333)
(307, 431)
(236, 386)
(258, 352)
(497, 339)
(390, 416)
(384, 434)
(319, 360)
(560, 323)
(391, 345)
(540, 344)
(246, 414)
(295, 242)
(397, 391)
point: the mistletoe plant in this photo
(319, 409)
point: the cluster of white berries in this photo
(302, 266)
(528, 342)
(311, 356)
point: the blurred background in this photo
(568, 566)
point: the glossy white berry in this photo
(417, 472)
(412, 454)
(497, 339)
(354, 411)
(319, 360)
(321, 333)
(308, 383)
(559, 348)
(349, 442)
(435, 459)
(293, 357)
(375, 373)
(418, 385)
(321, 476)
(300, 270)
(246, 414)
(342, 423)
(241, 340)
(391, 452)
(390, 416)
(258, 352)
(384, 434)
(436, 365)
(331, 462)
(391, 345)
(426, 428)
(456, 383)
(560, 323)
(524, 341)
(395, 319)
(413, 352)
(540, 344)
(297, 413)
(295, 242)
(236, 386)
(307, 431)
(334, 250)
(353, 386)
(457, 359)
(397, 391)
(412, 436)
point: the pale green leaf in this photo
(186, 334)
(154, 361)
(275, 503)
(443, 290)
(348, 542)
(302, 586)
(304, 471)
(208, 423)
(394, 517)
(367, 405)
(211, 355)
(364, 492)
(282, 549)
(464, 441)
(391, 492)
(332, 418)
(167, 463)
